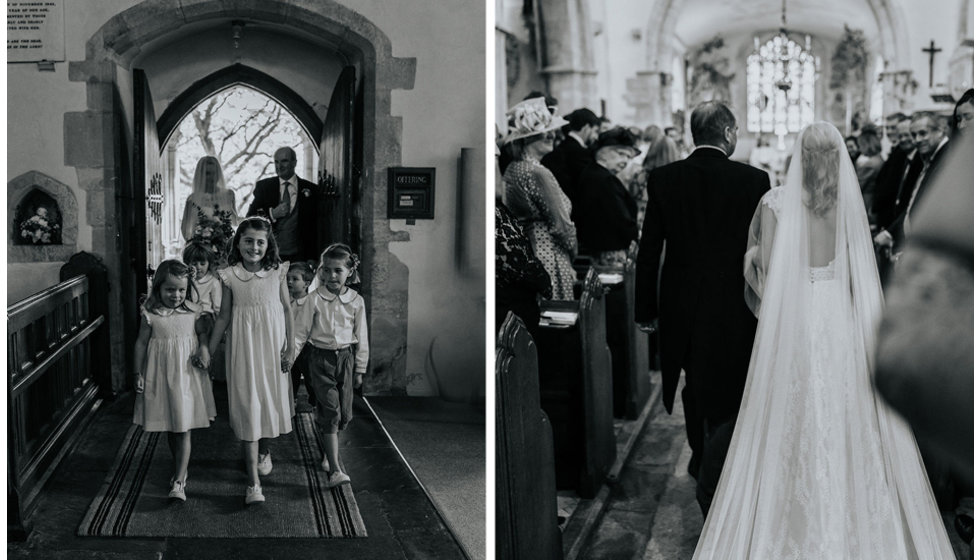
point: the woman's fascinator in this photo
(529, 118)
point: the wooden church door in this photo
(337, 177)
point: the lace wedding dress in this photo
(818, 466)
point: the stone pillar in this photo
(899, 91)
(650, 94)
(567, 60)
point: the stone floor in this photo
(401, 521)
(651, 513)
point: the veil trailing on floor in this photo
(818, 467)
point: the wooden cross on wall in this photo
(932, 50)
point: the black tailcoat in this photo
(566, 162)
(701, 207)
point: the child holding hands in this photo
(336, 322)
(255, 302)
(173, 396)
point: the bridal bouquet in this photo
(215, 230)
(38, 230)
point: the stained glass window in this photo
(781, 86)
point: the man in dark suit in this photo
(605, 218)
(889, 179)
(290, 202)
(701, 207)
(929, 132)
(568, 159)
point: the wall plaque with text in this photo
(35, 30)
(411, 193)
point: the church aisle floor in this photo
(652, 513)
(401, 521)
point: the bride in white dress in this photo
(818, 466)
(209, 190)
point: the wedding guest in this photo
(572, 154)
(291, 204)
(519, 276)
(962, 114)
(929, 131)
(853, 150)
(662, 151)
(605, 220)
(551, 102)
(209, 197)
(868, 165)
(534, 197)
(892, 172)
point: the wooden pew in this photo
(576, 391)
(52, 363)
(527, 525)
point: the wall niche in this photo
(42, 219)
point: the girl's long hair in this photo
(177, 269)
(271, 259)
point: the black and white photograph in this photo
(734, 279)
(490, 279)
(246, 269)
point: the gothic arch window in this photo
(781, 79)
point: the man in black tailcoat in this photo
(570, 156)
(291, 204)
(701, 207)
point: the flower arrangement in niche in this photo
(215, 231)
(39, 229)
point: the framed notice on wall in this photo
(411, 193)
(35, 30)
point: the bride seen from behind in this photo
(818, 467)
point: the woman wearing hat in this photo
(532, 194)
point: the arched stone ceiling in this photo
(699, 20)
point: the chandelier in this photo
(782, 46)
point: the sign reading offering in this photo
(410, 193)
(35, 30)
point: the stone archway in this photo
(97, 145)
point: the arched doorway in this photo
(174, 45)
(240, 126)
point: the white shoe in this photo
(177, 488)
(265, 464)
(253, 495)
(337, 478)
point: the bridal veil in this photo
(818, 467)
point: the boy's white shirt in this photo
(320, 321)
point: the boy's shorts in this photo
(331, 372)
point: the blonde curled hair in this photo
(820, 159)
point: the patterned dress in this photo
(177, 396)
(519, 274)
(536, 200)
(260, 402)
